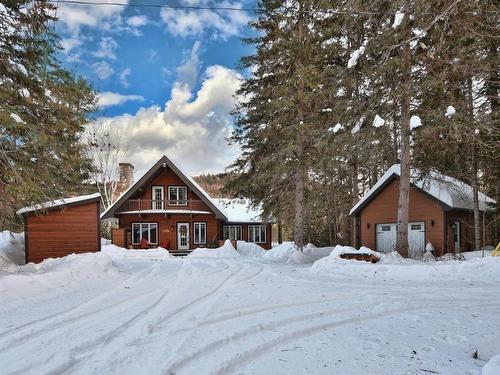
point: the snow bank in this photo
(11, 249)
(280, 253)
(250, 249)
(225, 251)
(492, 367)
(56, 273)
(116, 252)
(394, 267)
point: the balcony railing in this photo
(164, 205)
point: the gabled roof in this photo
(82, 199)
(219, 212)
(240, 211)
(452, 193)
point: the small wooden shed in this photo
(62, 227)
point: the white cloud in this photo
(137, 21)
(107, 99)
(103, 70)
(123, 77)
(107, 47)
(185, 23)
(188, 71)
(192, 127)
(73, 16)
(68, 44)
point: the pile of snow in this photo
(492, 367)
(225, 251)
(450, 111)
(56, 273)
(249, 249)
(280, 253)
(353, 60)
(394, 267)
(11, 249)
(116, 252)
(415, 122)
(398, 19)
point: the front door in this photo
(182, 236)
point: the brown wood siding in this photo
(244, 229)
(118, 237)
(383, 209)
(169, 178)
(63, 231)
(168, 226)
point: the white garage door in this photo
(386, 237)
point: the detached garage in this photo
(62, 227)
(440, 212)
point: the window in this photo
(386, 228)
(177, 195)
(257, 233)
(232, 232)
(200, 233)
(157, 198)
(148, 231)
(415, 227)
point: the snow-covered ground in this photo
(145, 312)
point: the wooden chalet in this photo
(167, 208)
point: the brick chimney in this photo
(126, 179)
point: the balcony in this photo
(143, 206)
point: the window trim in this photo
(171, 201)
(259, 226)
(203, 242)
(140, 231)
(153, 199)
(236, 226)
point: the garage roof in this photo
(451, 192)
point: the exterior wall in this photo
(74, 229)
(169, 178)
(383, 209)
(466, 219)
(167, 226)
(244, 233)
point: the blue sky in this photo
(165, 77)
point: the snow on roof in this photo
(57, 203)
(449, 190)
(239, 210)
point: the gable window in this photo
(147, 231)
(200, 233)
(177, 195)
(257, 233)
(232, 232)
(157, 197)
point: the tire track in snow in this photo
(242, 358)
(101, 345)
(211, 347)
(60, 319)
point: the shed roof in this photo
(82, 199)
(449, 191)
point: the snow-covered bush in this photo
(225, 251)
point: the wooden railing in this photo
(138, 205)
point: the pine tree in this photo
(43, 109)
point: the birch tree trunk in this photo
(404, 180)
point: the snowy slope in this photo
(144, 312)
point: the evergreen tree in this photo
(43, 109)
